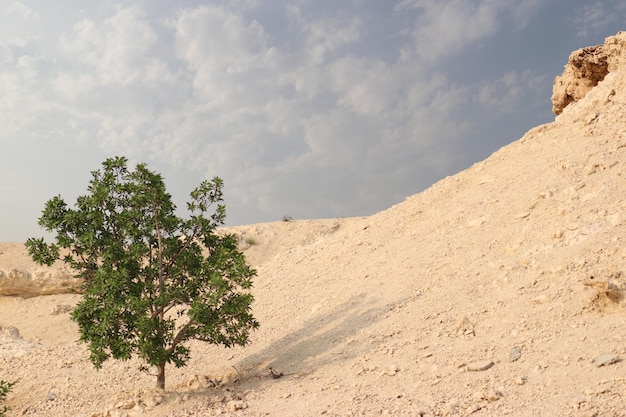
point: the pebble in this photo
(493, 396)
(479, 366)
(235, 405)
(61, 309)
(515, 354)
(608, 359)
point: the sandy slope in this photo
(516, 261)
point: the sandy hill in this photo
(496, 292)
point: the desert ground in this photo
(498, 291)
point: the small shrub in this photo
(251, 241)
(287, 218)
(5, 388)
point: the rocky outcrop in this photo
(20, 276)
(40, 281)
(586, 68)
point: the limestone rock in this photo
(515, 354)
(12, 344)
(585, 69)
(235, 405)
(605, 360)
(37, 281)
(479, 366)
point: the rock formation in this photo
(20, 276)
(585, 69)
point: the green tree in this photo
(5, 388)
(151, 280)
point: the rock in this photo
(585, 69)
(10, 332)
(479, 366)
(126, 405)
(117, 413)
(391, 370)
(235, 405)
(61, 309)
(520, 381)
(152, 400)
(38, 281)
(604, 360)
(478, 396)
(12, 344)
(515, 354)
(493, 395)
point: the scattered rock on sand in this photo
(235, 405)
(515, 354)
(479, 366)
(605, 360)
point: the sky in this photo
(305, 108)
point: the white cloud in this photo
(19, 25)
(118, 48)
(24, 11)
(591, 19)
(220, 47)
(445, 27)
(508, 92)
(326, 35)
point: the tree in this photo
(151, 280)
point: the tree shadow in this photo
(321, 340)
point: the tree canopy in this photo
(151, 280)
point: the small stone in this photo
(127, 405)
(52, 396)
(493, 396)
(478, 396)
(235, 405)
(117, 413)
(515, 354)
(61, 309)
(605, 360)
(153, 400)
(479, 366)
(520, 381)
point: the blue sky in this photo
(306, 108)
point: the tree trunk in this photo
(161, 376)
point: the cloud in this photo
(443, 28)
(592, 19)
(22, 10)
(119, 49)
(506, 93)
